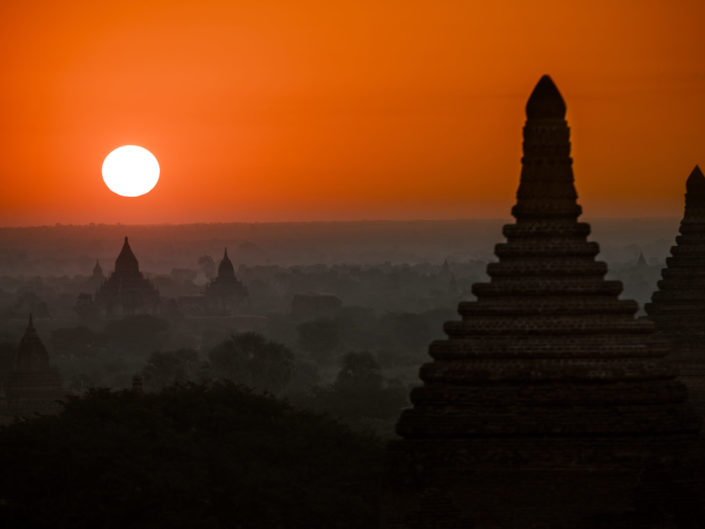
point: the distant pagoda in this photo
(33, 386)
(678, 306)
(97, 272)
(225, 294)
(549, 404)
(127, 291)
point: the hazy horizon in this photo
(507, 218)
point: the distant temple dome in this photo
(225, 268)
(225, 295)
(32, 355)
(126, 263)
(127, 291)
(97, 272)
(33, 386)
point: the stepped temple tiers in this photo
(33, 386)
(127, 291)
(678, 306)
(225, 294)
(549, 404)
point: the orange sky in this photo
(268, 111)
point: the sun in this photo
(130, 171)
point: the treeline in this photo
(190, 456)
(359, 395)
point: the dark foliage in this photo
(319, 338)
(252, 360)
(360, 391)
(192, 456)
(172, 367)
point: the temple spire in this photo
(696, 181)
(678, 306)
(31, 354)
(126, 262)
(546, 190)
(545, 101)
(225, 268)
(695, 197)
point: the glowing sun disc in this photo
(130, 171)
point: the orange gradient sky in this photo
(271, 111)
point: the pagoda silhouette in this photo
(549, 404)
(127, 291)
(678, 306)
(33, 386)
(225, 294)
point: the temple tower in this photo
(127, 291)
(33, 386)
(678, 306)
(225, 294)
(549, 404)
(97, 274)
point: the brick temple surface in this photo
(549, 404)
(678, 306)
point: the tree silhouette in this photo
(192, 456)
(252, 360)
(171, 367)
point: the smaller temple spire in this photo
(545, 101)
(225, 268)
(695, 197)
(97, 269)
(696, 181)
(31, 354)
(126, 262)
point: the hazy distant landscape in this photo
(72, 250)
(391, 285)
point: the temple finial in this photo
(545, 101)
(696, 181)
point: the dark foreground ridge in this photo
(550, 404)
(190, 457)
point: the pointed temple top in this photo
(696, 181)
(546, 190)
(126, 262)
(545, 101)
(225, 268)
(31, 354)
